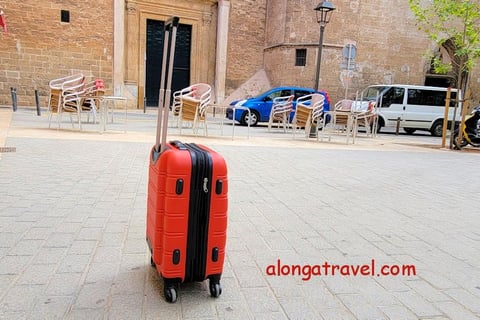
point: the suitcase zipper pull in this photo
(205, 185)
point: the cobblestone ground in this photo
(72, 232)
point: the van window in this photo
(394, 95)
(430, 97)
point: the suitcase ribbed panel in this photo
(199, 212)
(167, 211)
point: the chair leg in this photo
(50, 116)
(322, 121)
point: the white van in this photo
(412, 107)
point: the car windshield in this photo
(371, 93)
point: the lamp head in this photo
(324, 11)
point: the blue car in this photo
(261, 105)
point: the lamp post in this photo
(324, 11)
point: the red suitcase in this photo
(187, 204)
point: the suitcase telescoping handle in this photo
(166, 82)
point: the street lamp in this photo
(324, 11)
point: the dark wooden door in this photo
(181, 64)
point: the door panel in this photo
(154, 56)
(393, 105)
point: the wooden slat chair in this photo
(308, 111)
(55, 97)
(341, 119)
(280, 113)
(365, 118)
(193, 106)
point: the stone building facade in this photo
(241, 47)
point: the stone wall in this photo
(390, 48)
(246, 41)
(39, 47)
(383, 48)
(262, 37)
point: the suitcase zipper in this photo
(205, 185)
(198, 215)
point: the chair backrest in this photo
(190, 108)
(72, 90)
(344, 105)
(56, 88)
(202, 92)
(318, 104)
(281, 107)
(199, 91)
(303, 115)
(305, 100)
(92, 89)
(58, 83)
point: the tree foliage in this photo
(455, 26)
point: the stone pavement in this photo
(72, 227)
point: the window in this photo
(279, 93)
(427, 97)
(65, 16)
(393, 95)
(301, 93)
(301, 57)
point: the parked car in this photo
(261, 105)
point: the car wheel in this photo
(253, 119)
(409, 130)
(437, 129)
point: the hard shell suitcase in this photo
(187, 202)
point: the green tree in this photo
(455, 26)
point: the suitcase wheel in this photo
(170, 294)
(152, 263)
(215, 289)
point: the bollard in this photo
(144, 104)
(14, 98)
(37, 100)
(397, 129)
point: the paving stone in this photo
(455, 311)
(34, 274)
(51, 307)
(361, 308)
(418, 305)
(73, 245)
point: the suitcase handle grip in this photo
(172, 22)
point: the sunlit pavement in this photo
(72, 225)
